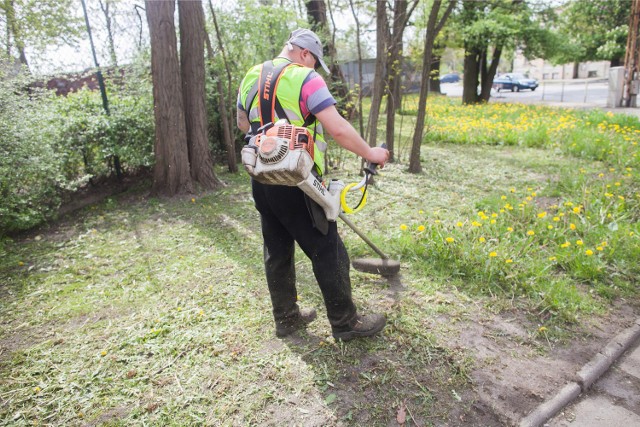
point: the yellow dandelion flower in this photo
(493, 254)
(437, 221)
(459, 224)
(568, 204)
(579, 242)
(577, 210)
(403, 227)
(621, 197)
(513, 190)
(531, 233)
(600, 248)
(550, 227)
(588, 252)
(508, 261)
(509, 229)
(565, 245)
(542, 214)
(103, 353)
(193, 200)
(420, 212)
(421, 228)
(556, 219)
(552, 258)
(476, 224)
(493, 221)
(450, 239)
(534, 194)
(542, 329)
(572, 226)
(482, 239)
(503, 197)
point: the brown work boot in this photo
(288, 326)
(362, 326)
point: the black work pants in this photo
(285, 220)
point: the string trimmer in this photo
(384, 266)
(282, 154)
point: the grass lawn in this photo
(145, 311)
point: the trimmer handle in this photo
(372, 168)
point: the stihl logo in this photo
(267, 86)
(318, 186)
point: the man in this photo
(286, 213)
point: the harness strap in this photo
(268, 102)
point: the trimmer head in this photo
(381, 266)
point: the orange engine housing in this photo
(299, 138)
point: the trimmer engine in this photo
(283, 155)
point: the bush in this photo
(51, 144)
(30, 166)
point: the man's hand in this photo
(378, 155)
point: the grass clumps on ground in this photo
(146, 311)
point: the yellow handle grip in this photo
(343, 199)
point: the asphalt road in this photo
(592, 93)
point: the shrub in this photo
(30, 167)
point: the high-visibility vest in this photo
(289, 86)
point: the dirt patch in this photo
(513, 374)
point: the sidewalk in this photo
(606, 391)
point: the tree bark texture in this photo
(192, 34)
(171, 172)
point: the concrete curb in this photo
(585, 377)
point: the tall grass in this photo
(559, 241)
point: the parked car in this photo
(450, 78)
(514, 82)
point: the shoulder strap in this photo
(268, 83)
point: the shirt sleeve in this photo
(315, 95)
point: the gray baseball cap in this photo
(307, 39)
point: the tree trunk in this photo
(225, 112)
(471, 74)
(192, 34)
(394, 69)
(317, 17)
(359, 48)
(12, 27)
(379, 78)
(414, 159)
(488, 74)
(171, 171)
(107, 18)
(433, 28)
(434, 80)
